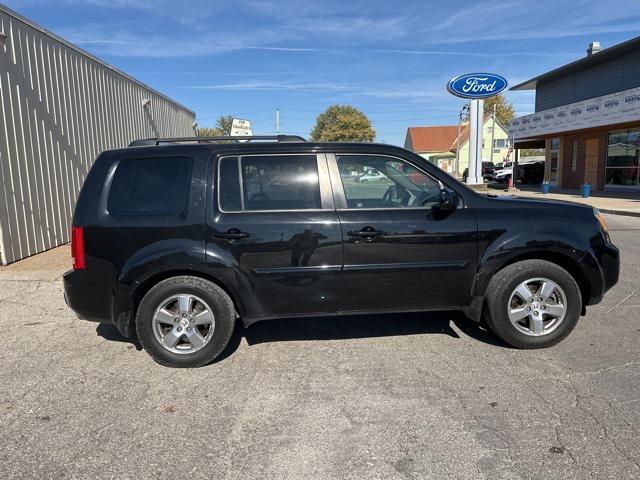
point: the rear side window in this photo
(269, 182)
(150, 186)
(230, 193)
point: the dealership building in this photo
(61, 107)
(587, 117)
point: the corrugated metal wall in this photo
(60, 109)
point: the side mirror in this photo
(448, 200)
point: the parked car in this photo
(372, 176)
(178, 242)
(528, 172)
(487, 169)
(531, 173)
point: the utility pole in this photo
(460, 117)
(277, 121)
(493, 129)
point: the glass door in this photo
(554, 154)
(623, 151)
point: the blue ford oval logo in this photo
(477, 85)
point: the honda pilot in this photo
(177, 240)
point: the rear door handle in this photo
(366, 232)
(232, 234)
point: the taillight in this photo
(77, 248)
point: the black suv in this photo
(178, 238)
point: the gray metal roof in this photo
(68, 44)
(597, 58)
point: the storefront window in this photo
(554, 154)
(623, 149)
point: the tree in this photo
(504, 110)
(342, 123)
(531, 152)
(222, 128)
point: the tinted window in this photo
(150, 186)
(385, 182)
(230, 195)
(286, 182)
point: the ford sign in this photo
(477, 85)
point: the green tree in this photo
(342, 123)
(504, 110)
(223, 127)
(532, 152)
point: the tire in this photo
(161, 314)
(545, 330)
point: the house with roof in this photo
(439, 144)
(434, 144)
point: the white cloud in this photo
(527, 20)
(410, 91)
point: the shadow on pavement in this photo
(340, 328)
(367, 326)
(111, 333)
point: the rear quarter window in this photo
(150, 186)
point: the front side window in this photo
(372, 181)
(269, 182)
(150, 186)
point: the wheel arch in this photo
(565, 261)
(143, 287)
(125, 311)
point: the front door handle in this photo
(366, 232)
(232, 234)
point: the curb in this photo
(622, 213)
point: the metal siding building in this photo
(601, 79)
(60, 108)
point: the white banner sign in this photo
(596, 112)
(240, 128)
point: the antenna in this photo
(277, 121)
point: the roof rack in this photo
(165, 141)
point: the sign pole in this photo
(475, 142)
(476, 87)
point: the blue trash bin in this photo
(545, 187)
(586, 190)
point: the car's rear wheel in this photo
(185, 321)
(533, 304)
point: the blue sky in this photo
(390, 59)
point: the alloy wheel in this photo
(183, 323)
(537, 307)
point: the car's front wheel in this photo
(532, 304)
(185, 321)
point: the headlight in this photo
(601, 220)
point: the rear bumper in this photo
(86, 297)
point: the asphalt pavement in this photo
(421, 396)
